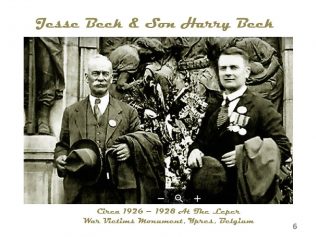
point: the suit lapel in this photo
(81, 117)
(245, 100)
(114, 119)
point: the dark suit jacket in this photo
(264, 122)
(75, 119)
(74, 128)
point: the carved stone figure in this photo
(44, 81)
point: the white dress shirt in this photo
(103, 104)
(232, 97)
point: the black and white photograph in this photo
(188, 120)
(160, 118)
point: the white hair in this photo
(98, 57)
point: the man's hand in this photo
(122, 151)
(195, 158)
(60, 164)
(229, 158)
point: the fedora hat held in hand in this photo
(84, 161)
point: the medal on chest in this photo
(238, 121)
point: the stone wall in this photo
(41, 183)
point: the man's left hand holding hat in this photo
(195, 158)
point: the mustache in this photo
(100, 84)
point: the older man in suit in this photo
(114, 126)
(240, 116)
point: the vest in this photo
(95, 131)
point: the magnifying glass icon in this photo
(178, 198)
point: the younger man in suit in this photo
(240, 117)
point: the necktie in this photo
(96, 109)
(223, 113)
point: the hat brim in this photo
(210, 179)
(86, 174)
